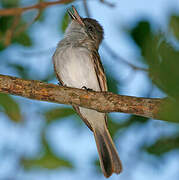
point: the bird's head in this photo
(90, 27)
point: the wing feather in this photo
(99, 70)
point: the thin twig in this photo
(26, 26)
(42, 52)
(107, 3)
(119, 58)
(9, 33)
(86, 8)
(20, 10)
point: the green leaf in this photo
(58, 113)
(65, 22)
(2, 46)
(174, 25)
(9, 3)
(46, 159)
(21, 70)
(5, 23)
(112, 83)
(138, 119)
(97, 165)
(163, 145)
(169, 111)
(115, 126)
(48, 77)
(162, 58)
(41, 16)
(168, 73)
(10, 107)
(163, 61)
(140, 32)
(23, 39)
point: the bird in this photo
(77, 64)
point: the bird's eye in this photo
(90, 28)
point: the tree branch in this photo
(119, 58)
(20, 10)
(100, 101)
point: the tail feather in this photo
(108, 156)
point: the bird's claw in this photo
(88, 89)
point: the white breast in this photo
(75, 68)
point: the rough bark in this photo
(100, 101)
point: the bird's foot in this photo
(88, 89)
(60, 84)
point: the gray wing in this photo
(99, 71)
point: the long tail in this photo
(108, 156)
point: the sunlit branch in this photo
(100, 101)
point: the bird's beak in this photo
(75, 16)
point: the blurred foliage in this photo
(23, 39)
(21, 70)
(58, 113)
(163, 60)
(65, 21)
(10, 107)
(46, 159)
(140, 33)
(97, 164)
(133, 119)
(169, 111)
(19, 33)
(5, 23)
(174, 25)
(163, 145)
(41, 16)
(49, 77)
(9, 3)
(112, 83)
